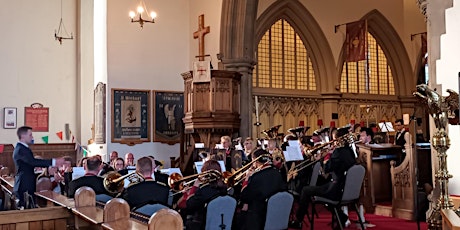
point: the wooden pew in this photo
(86, 212)
(115, 215)
(33, 219)
(450, 220)
(55, 198)
(7, 185)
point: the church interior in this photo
(284, 63)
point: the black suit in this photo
(146, 192)
(25, 163)
(196, 205)
(260, 187)
(94, 182)
(161, 177)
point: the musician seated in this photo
(91, 179)
(339, 162)
(261, 182)
(194, 201)
(249, 147)
(148, 191)
(119, 166)
(105, 167)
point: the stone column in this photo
(244, 67)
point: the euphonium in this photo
(114, 182)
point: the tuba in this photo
(114, 182)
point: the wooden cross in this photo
(200, 35)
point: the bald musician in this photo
(260, 183)
(148, 191)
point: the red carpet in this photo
(380, 222)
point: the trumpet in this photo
(114, 182)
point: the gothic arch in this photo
(309, 31)
(394, 49)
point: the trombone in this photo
(232, 179)
(114, 182)
(181, 184)
(177, 182)
(348, 138)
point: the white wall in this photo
(447, 72)
(151, 58)
(34, 67)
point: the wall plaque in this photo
(99, 113)
(37, 118)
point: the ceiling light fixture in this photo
(142, 8)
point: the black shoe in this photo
(295, 224)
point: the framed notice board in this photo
(37, 118)
(130, 116)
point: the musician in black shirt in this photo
(260, 183)
(339, 162)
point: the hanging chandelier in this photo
(142, 9)
(61, 33)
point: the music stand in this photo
(386, 127)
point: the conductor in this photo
(25, 162)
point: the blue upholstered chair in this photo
(353, 182)
(103, 198)
(278, 209)
(150, 209)
(220, 210)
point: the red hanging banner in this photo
(356, 41)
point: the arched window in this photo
(282, 60)
(371, 76)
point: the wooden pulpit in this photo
(212, 108)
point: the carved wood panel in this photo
(368, 112)
(287, 112)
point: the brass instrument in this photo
(232, 179)
(114, 182)
(177, 182)
(272, 132)
(349, 138)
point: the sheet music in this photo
(171, 170)
(77, 172)
(293, 152)
(199, 145)
(386, 127)
(239, 147)
(199, 165)
(219, 146)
